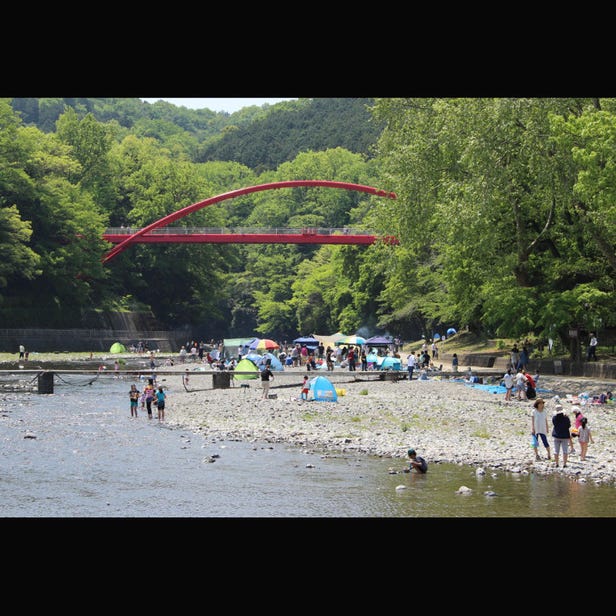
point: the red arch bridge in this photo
(187, 235)
(157, 232)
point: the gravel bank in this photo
(445, 421)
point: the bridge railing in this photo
(241, 230)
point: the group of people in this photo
(562, 432)
(422, 361)
(522, 383)
(148, 396)
(518, 360)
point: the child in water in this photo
(416, 462)
(133, 395)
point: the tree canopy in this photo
(505, 214)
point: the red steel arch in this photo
(118, 248)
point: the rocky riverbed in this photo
(444, 420)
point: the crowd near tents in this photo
(263, 351)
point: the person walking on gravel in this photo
(561, 434)
(539, 427)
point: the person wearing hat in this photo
(539, 428)
(416, 462)
(561, 434)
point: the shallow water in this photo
(90, 459)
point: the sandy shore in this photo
(444, 421)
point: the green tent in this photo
(117, 347)
(246, 365)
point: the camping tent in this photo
(329, 340)
(323, 390)
(352, 339)
(308, 341)
(275, 363)
(378, 341)
(372, 358)
(451, 331)
(389, 363)
(245, 365)
(117, 347)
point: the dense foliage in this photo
(505, 213)
(309, 125)
(258, 137)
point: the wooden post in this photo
(221, 380)
(45, 383)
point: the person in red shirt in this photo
(351, 359)
(531, 386)
(305, 389)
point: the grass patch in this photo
(310, 416)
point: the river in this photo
(77, 453)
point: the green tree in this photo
(18, 259)
(485, 209)
(91, 142)
(66, 233)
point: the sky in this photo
(229, 105)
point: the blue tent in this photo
(275, 363)
(436, 336)
(254, 357)
(323, 390)
(389, 363)
(451, 331)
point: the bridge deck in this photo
(246, 236)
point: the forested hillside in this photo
(259, 137)
(505, 215)
(310, 125)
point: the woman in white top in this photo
(508, 383)
(539, 427)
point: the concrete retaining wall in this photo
(595, 370)
(95, 340)
(480, 360)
